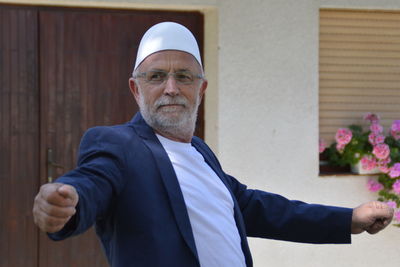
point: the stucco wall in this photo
(268, 123)
(262, 116)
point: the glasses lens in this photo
(156, 76)
(183, 77)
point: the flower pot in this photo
(358, 169)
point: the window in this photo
(359, 68)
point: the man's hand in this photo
(54, 205)
(371, 217)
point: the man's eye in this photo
(155, 76)
(183, 77)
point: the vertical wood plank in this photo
(62, 126)
(19, 135)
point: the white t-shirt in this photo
(209, 205)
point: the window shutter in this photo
(359, 68)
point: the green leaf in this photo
(386, 181)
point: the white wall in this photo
(262, 118)
(268, 123)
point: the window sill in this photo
(349, 174)
(334, 171)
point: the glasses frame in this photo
(167, 74)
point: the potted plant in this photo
(373, 152)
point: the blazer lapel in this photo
(169, 179)
(212, 164)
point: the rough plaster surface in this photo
(268, 123)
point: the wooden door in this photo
(74, 75)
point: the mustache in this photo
(167, 100)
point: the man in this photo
(158, 195)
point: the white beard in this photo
(170, 120)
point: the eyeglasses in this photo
(159, 76)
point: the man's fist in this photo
(371, 217)
(54, 205)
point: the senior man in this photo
(159, 197)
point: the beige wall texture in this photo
(262, 115)
(268, 123)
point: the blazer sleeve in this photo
(98, 178)
(269, 215)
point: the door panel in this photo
(86, 59)
(19, 135)
(62, 71)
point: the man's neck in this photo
(182, 139)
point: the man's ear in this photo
(134, 89)
(203, 88)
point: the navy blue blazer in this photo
(128, 188)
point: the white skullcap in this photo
(167, 36)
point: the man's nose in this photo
(171, 86)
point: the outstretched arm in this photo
(371, 217)
(88, 190)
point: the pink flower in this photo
(395, 129)
(392, 204)
(376, 138)
(373, 118)
(381, 151)
(376, 128)
(383, 164)
(368, 163)
(322, 145)
(384, 168)
(396, 187)
(397, 216)
(396, 125)
(343, 136)
(395, 171)
(374, 186)
(385, 161)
